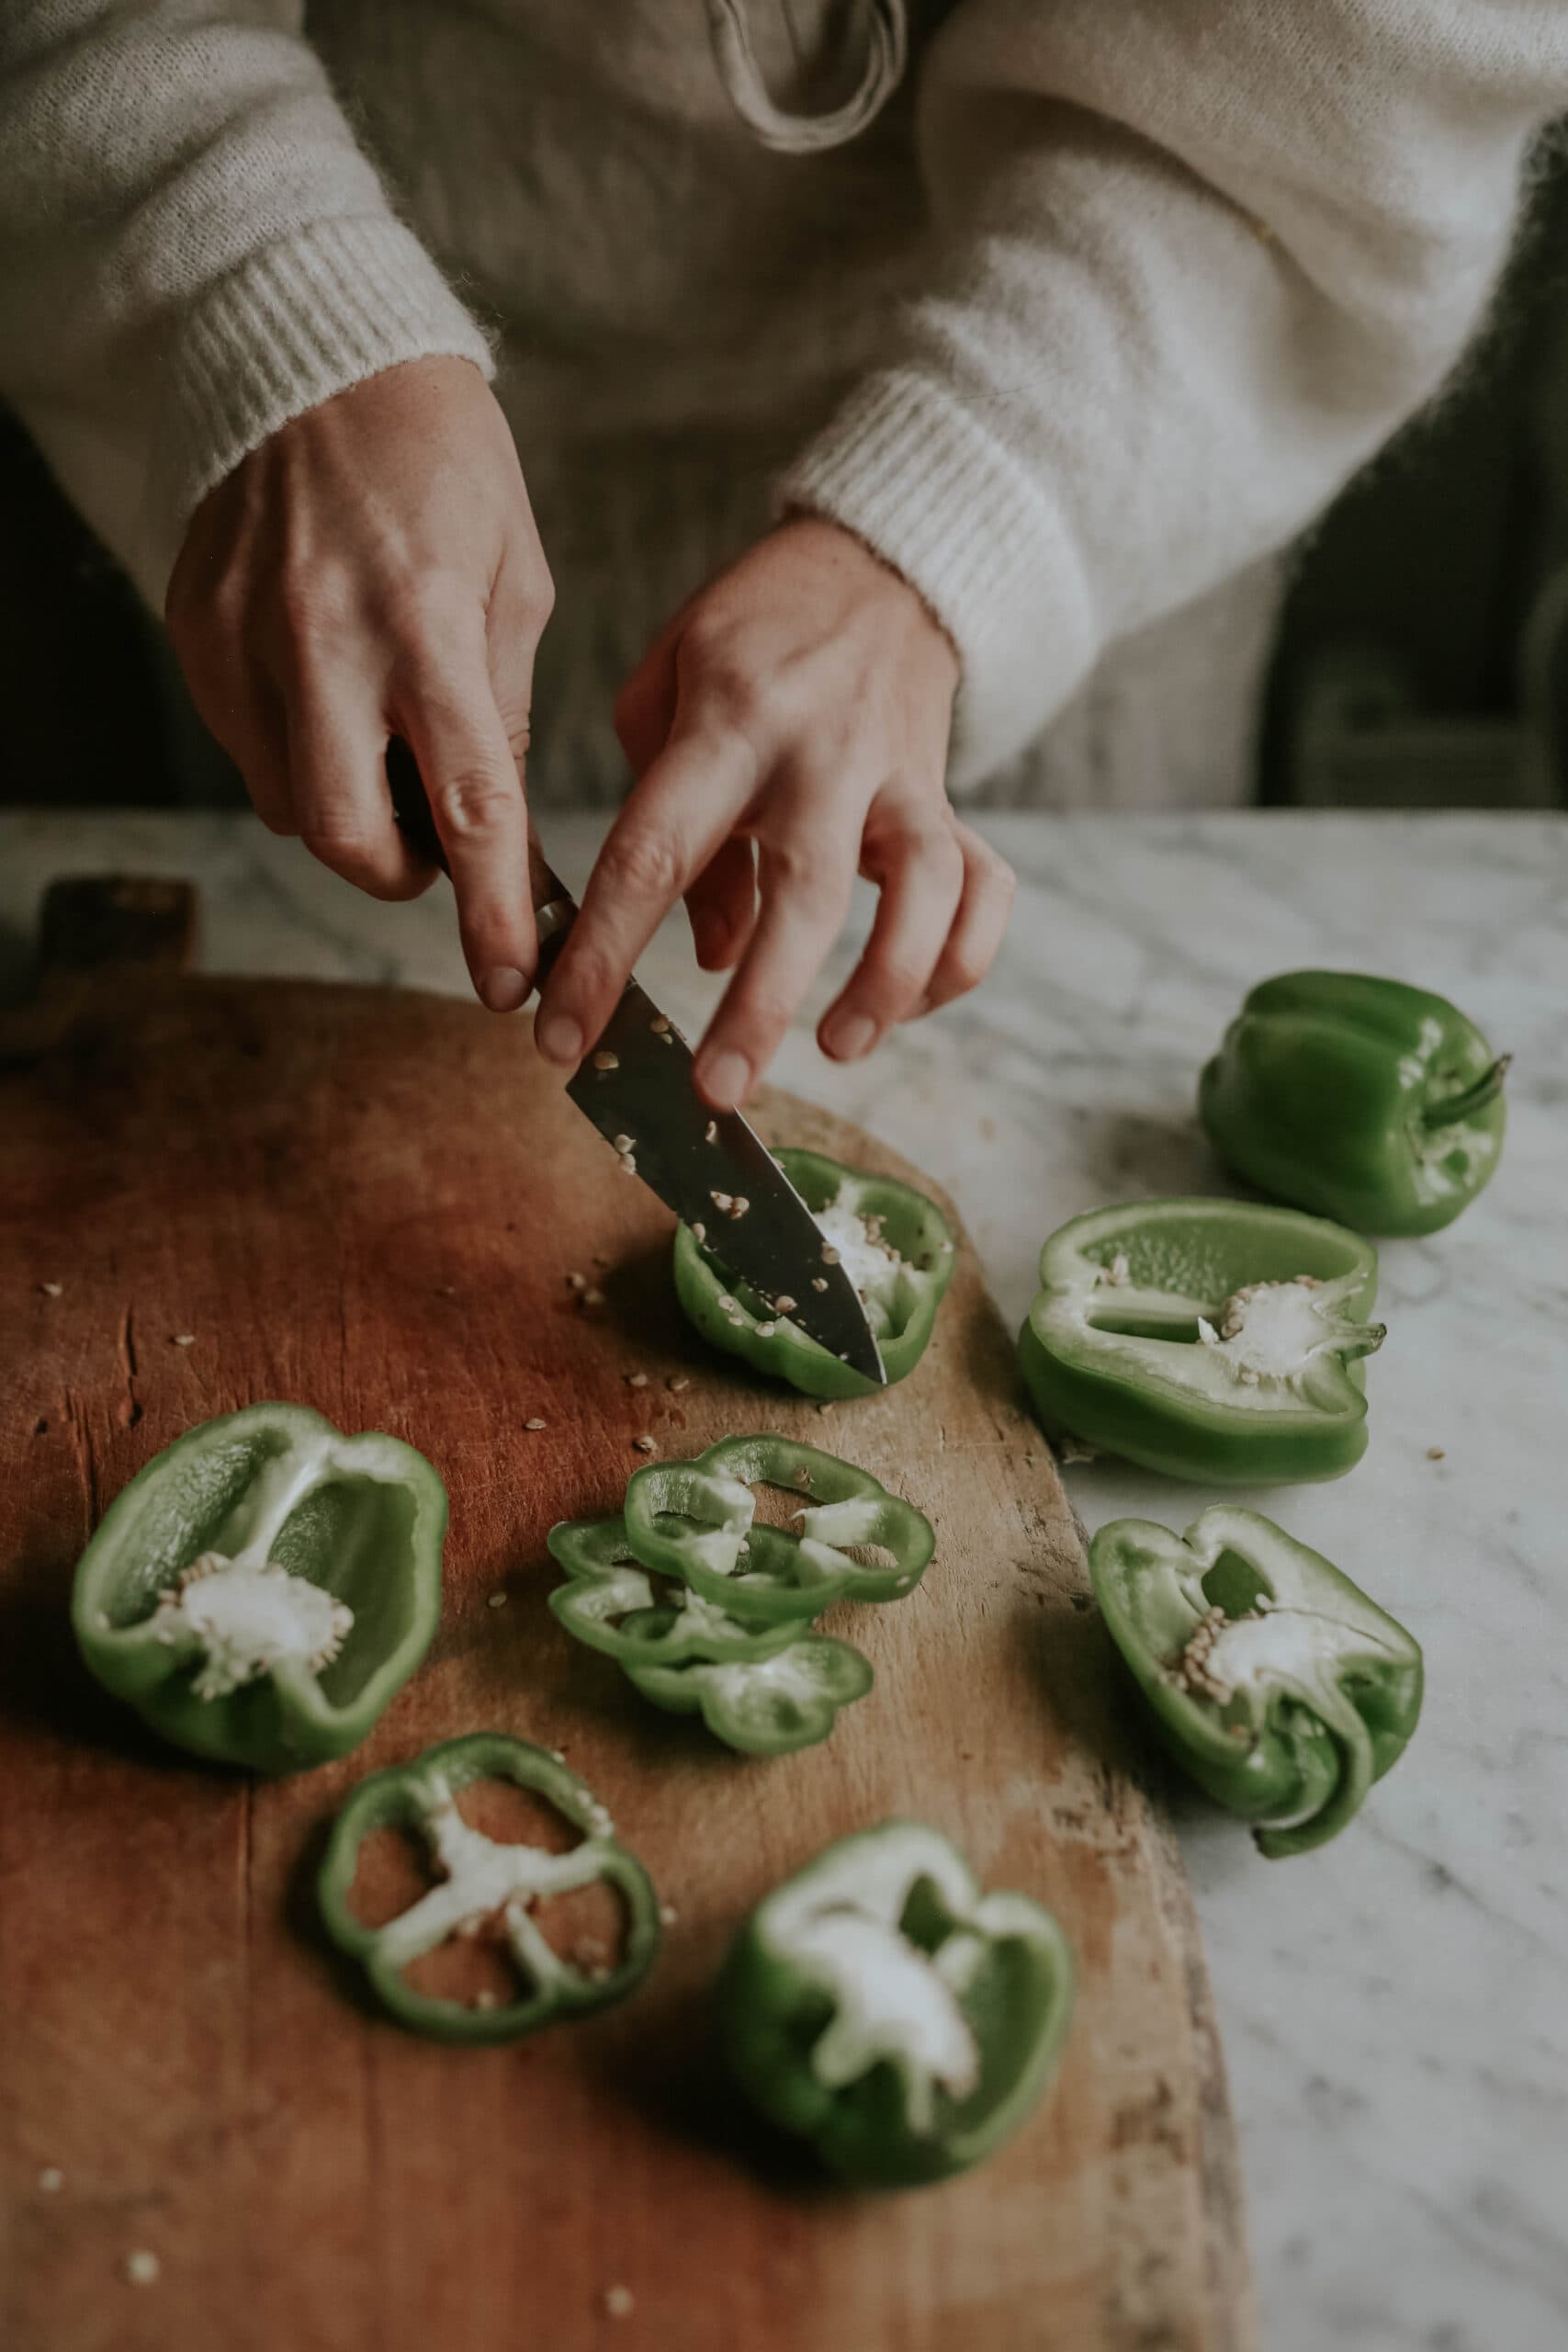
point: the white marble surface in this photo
(1396, 2008)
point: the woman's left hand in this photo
(788, 729)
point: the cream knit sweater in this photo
(1101, 302)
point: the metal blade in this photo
(636, 1088)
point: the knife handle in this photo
(551, 901)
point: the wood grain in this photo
(371, 1202)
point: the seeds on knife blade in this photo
(723, 1201)
(710, 1132)
(624, 1143)
(819, 1282)
(604, 1059)
(829, 1255)
(699, 1233)
(783, 1301)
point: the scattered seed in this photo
(634, 1379)
(1074, 1450)
(829, 1255)
(619, 2302)
(699, 1233)
(824, 1408)
(783, 1301)
(592, 1296)
(52, 1290)
(710, 1132)
(537, 1423)
(142, 2267)
(668, 1915)
(446, 1290)
(624, 1143)
(819, 1282)
(1437, 1454)
(645, 1444)
(676, 1382)
(183, 1340)
(577, 1281)
(486, 2000)
(605, 1060)
(496, 1601)
(50, 2180)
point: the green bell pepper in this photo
(482, 1879)
(263, 1588)
(694, 1520)
(766, 1706)
(1212, 1339)
(610, 1604)
(896, 1247)
(1361, 1099)
(1276, 1683)
(882, 2007)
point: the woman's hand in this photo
(372, 570)
(789, 728)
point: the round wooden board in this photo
(371, 1202)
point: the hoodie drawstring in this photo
(804, 134)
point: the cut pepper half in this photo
(481, 1880)
(694, 1520)
(885, 2008)
(264, 1586)
(1360, 1098)
(896, 1246)
(1276, 1683)
(766, 1706)
(1208, 1338)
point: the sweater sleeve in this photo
(1194, 261)
(193, 250)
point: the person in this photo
(859, 371)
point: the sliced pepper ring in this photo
(482, 1877)
(263, 1588)
(1275, 1682)
(1207, 1338)
(609, 1604)
(900, 1305)
(694, 1520)
(883, 2007)
(764, 1706)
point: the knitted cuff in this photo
(917, 476)
(295, 323)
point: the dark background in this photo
(1422, 660)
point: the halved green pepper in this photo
(1362, 1099)
(694, 1520)
(1212, 1339)
(882, 2007)
(481, 1879)
(1276, 1683)
(896, 1247)
(264, 1586)
(764, 1706)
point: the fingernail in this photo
(850, 1035)
(503, 988)
(725, 1076)
(559, 1039)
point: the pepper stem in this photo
(1454, 1109)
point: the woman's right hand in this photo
(373, 569)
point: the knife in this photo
(709, 1167)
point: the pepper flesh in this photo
(694, 1520)
(1360, 1099)
(610, 1604)
(882, 2007)
(482, 1878)
(1276, 1683)
(906, 1230)
(1207, 1338)
(263, 1588)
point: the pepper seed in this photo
(141, 2268)
(710, 1132)
(619, 2302)
(819, 1282)
(537, 1423)
(676, 1382)
(52, 1290)
(699, 1233)
(634, 1379)
(603, 1060)
(50, 2180)
(645, 1444)
(496, 1601)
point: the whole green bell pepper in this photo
(694, 1520)
(896, 1247)
(609, 1603)
(1212, 1339)
(1364, 1100)
(482, 1879)
(1276, 1683)
(263, 1588)
(882, 2007)
(765, 1706)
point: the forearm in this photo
(191, 251)
(1192, 263)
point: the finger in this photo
(805, 884)
(722, 905)
(337, 748)
(444, 707)
(244, 713)
(979, 926)
(520, 604)
(667, 832)
(920, 869)
(645, 707)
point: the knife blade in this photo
(711, 1167)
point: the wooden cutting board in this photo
(371, 1202)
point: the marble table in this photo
(1396, 2008)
